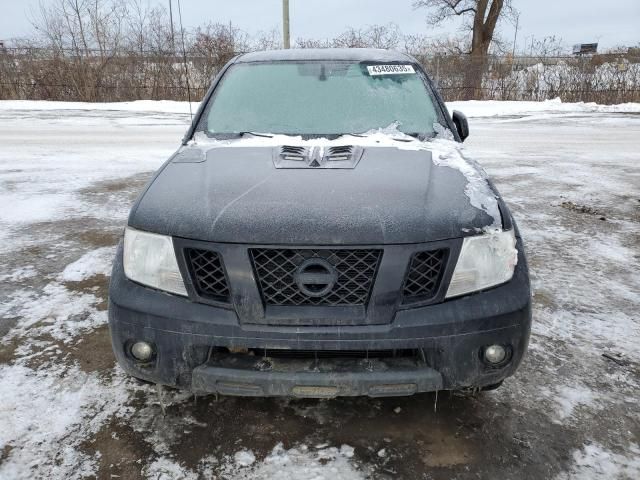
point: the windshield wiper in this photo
(233, 135)
(255, 134)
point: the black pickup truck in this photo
(320, 233)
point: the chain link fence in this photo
(606, 79)
(104, 76)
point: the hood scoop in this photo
(340, 156)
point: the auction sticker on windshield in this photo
(390, 69)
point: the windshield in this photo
(319, 98)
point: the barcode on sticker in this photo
(390, 69)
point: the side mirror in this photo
(462, 124)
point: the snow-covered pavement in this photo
(68, 175)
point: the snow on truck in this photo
(321, 233)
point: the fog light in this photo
(495, 354)
(142, 351)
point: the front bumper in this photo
(450, 337)
(259, 376)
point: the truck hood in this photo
(392, 196)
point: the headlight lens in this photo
(150, 259)
(484, 261)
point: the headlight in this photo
(484, 261)
(150, 259)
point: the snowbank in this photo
(161, 106)
(494, 108)
(472, 108)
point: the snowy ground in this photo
(68, 175)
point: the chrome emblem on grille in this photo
(315, 277)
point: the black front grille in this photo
(276, 269)
(207, 272)
(424, 275)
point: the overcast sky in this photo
(610, 22)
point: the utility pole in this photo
(515, 40)
(515, 37)
(173, 40)
(286, 40)
(231, 38)
(531, 51)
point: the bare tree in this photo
(480, 18)
(116, 50)
(84, 36)
(217, 43)
(550, 46)
(312, 43)
(270, 40)
(426, 46)
(373, 36)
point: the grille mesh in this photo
(208, 274)
(275, 270)
(424, 274)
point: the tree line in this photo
(119, 50)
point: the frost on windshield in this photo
(321, 97)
